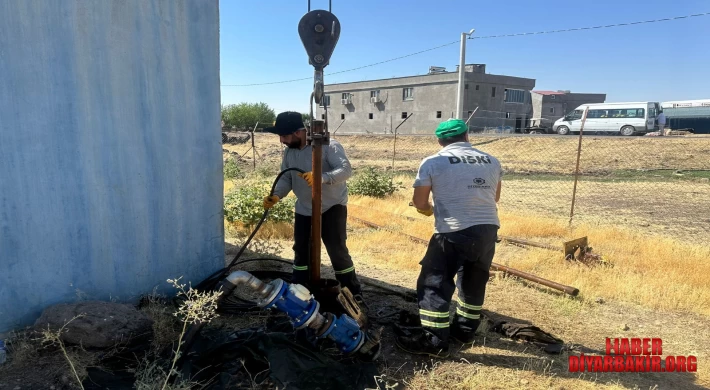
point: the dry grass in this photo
(165, 326)
(658, 284)
(39, 359)
(654, 271)
(464, 375)
(268, 231)
(523, 154)
(669, 205)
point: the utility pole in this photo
(462, 73)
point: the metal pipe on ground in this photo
(512, 240)
(496, 267)
(520, 241)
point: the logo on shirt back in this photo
(479, 183)
(470, 160)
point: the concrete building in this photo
(110, 151)
(549, 106)
(378, 106)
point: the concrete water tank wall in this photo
(110, 150)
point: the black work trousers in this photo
(334, 235)
(466, 254)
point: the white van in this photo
(611, 118)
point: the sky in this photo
(663, 61)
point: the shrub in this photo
(246, 205)
(371, 182)
(232, 170)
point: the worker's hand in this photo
(429, 212)
(308, 177)
(270, 201)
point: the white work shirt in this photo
(464, 182)
(336, 171)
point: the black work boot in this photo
(423, 343)
(464, 332)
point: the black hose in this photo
(210, 282)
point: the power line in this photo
(483, 37)
(592, 28)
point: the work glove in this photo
(308, 177)
(429, 212)
(270, 201)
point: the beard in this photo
(296, 144)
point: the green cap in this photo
(451, 128)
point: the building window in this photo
(477, 87)
(552, 110)
(325, 102)
(322, 116)
(438, 114)
(375, 96)
(342, 116)
(514, 96)
(493, 92)
(620, 113)
(404, 115)
(370, 116)
(553, 97)
(408, 94)
(346, 98)
(465, 86)
(507, 115)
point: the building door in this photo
(518, 125)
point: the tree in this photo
(306, 118)
(244, 116)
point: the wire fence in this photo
(655, 184)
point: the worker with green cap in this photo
(465, 185)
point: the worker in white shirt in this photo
(661, 119)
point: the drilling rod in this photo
(319, 31)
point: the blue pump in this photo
(346, 333)
(294, 300)
(303, 310)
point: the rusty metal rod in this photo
(496, 267)
(573, 291)
(520, 241)
(510, 239)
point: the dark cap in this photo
(286, 123)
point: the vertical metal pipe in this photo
(317, 130)
(576, 170)
(462, 71)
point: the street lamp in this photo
(462, 72)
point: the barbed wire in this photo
(483, 37)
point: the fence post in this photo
(394, 146)
(576, 170)
(253, 147)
